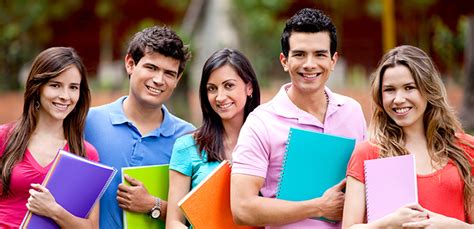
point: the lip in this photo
(154, 90)
(311, 75)
(401, 111)
(224, 106)
(61, 106)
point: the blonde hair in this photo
(440, 122)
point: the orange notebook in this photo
(208, 204)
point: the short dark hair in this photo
(162, 40)
(308, 20)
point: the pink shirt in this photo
(24, 173)
(262, 140)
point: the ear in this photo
(129, 64)
(179, 77)
(334, 60)
(284, 62)
(249, 89)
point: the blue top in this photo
(186, 160)
(120, 144)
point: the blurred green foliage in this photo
(260, 29)
(23, 30)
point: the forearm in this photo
(260, 211)
(163, 210)
(67, 220)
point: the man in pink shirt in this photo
(308, 55)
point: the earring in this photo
(37, 105)
(250, 96)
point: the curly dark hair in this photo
(162, 40)
(308, 20)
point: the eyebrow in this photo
(404, 85)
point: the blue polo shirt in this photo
(120, 144)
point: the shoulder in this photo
(91, 152)
(178, 124)
(185, 141)
(5, 131)
(366, 150)
(466, 142)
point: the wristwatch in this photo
(155, 212)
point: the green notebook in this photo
(313, 162)
(155, 178)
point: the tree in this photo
(467, 110)
(23, 29)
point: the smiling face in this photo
(59, 95)
(227, 93)
(402, 99)
(309, 61)
(153, 79)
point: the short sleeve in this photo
(251, 156)
(181, 158)
(91, 152)
(363, 151)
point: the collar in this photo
(284, 107)
(118, 117)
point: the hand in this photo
(42, 202)
(406, 214)
(435, 220)
(135, 197)
(333, 202)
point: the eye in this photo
(298, 54)
(74, 87)
(409, 88)
(54, 85)
(150, 67)
(211, 89)
(388, 89)
(171, 75)
(229, 85)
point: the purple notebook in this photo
(390, 183)
(76, 183)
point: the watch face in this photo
(155, 214)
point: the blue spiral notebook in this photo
(313, 162)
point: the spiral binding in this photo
(285, 156)
(366, 193)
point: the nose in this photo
(64, 93)
(399, 97)
(158, 78)
(310, 62)
(220, 95)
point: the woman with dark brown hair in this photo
(56, 101)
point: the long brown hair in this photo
(210, 136)
(47, 65)
(440, 122)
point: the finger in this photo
(41, 188)
(415, 206)
(122, 200)
(341, 185)
(132, 181)
(124, 188)
(121, 194)
(33, 192)
(421, 224)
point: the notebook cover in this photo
(207, 206)
(390, 183)
(76, 184)
(313, 162)
(156, 180)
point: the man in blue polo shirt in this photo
(138, 129)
